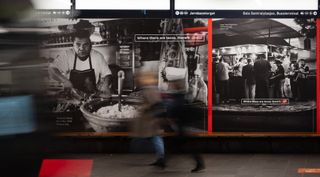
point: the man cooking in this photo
(82, 68)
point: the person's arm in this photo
(269, 66)
(58, 76)
(104, 86)
(282, 72)
(58, 67)
(305, 70)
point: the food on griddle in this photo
(127, 111)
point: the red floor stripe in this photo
(65, 168)
(309, 170)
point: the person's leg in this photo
(243, 92)
(299, 88)
(277, 90)
(304, 90)
(199, 163)
(158, 146)
(247, 89)
(227, 92)
(159, 150)
(236, 92)
(283, 94)
(258, 88)
(266, 88)
(196, 156)
(222, 92)
(253, 91)
(293, 86)
(220, 88)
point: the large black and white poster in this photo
(94, 65)
(264, 74)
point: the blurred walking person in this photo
(147, 126)
(183, 117)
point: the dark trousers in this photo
(183, 118)
(302, 92)
(223, 90)
(294, 88)
(239, 91)
(183, 137)
(262, 88)
(278, 89)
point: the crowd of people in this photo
(260, 78)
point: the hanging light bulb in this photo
(96, 36)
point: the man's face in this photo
(82, 46)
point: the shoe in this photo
(159, 163)
(198, 168)
(154, 163)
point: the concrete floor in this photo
(217, 165)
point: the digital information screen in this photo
(52, 4)
(122, 5)
(246, 5)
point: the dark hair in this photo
(81, 34)
(249, 60)
(277, 61)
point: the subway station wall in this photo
(239, 75)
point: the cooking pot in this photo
(105, 123)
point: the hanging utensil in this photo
(120, 84)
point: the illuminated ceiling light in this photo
(96, 36)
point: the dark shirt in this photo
(279, 74)
(304, 69)
(248, 74)
(262, 69)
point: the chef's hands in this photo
(105, 95)
(104, 87)
(67, 84)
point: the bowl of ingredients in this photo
(104, 115)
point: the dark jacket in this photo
(262, 69)
(248, 74)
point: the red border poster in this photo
(209, 75)
(318, 78)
